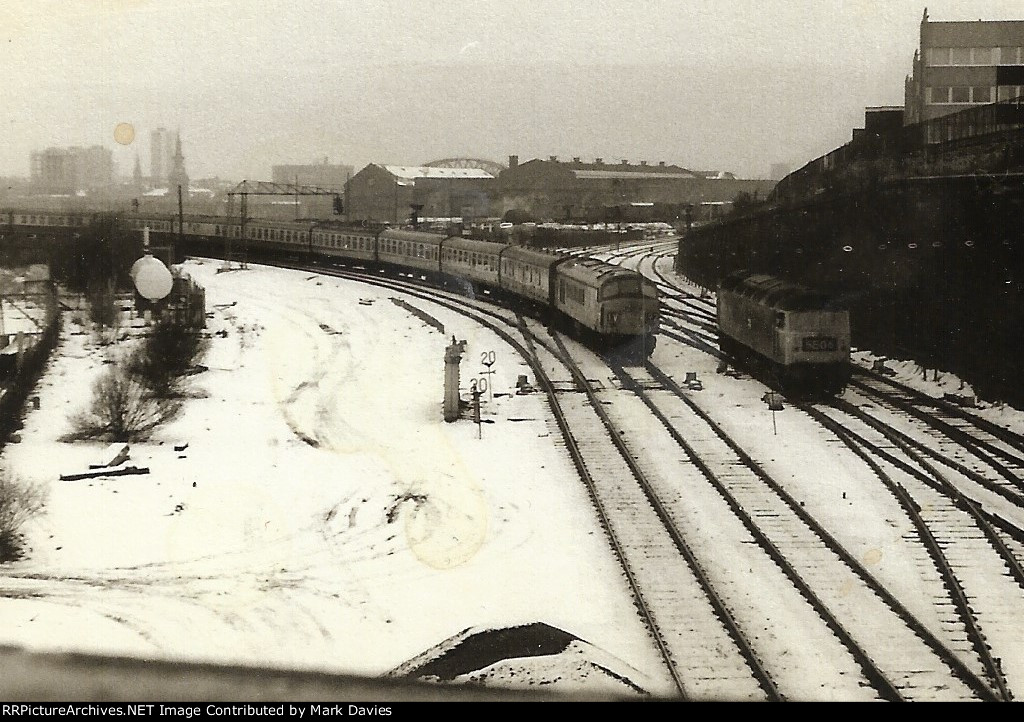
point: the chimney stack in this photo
(513, 162)
(625, 162)
(553, 158)
(598, 161)
(643, 162)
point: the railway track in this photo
(696, 617)
(877, 630)
(961, 483)
(991, 456)
(687, 623)
(709, 655)
(968, 458)
(984, 578)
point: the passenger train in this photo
(609, 307)
(798, 338)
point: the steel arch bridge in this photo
(487, 165)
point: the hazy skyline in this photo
(733, 85)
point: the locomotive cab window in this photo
(780, 320)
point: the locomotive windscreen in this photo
(621, 287)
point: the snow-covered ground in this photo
(322, 516)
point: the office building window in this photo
(959, 56)
(1009, 56)
(961, 94)
(982, 94)
(938, 56)
(983, 56)
(940, 95)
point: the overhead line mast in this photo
(265, 188)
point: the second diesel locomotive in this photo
(797, 338)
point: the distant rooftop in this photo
(407, 172)
(624, 169)
(615, 172)
(716, 174)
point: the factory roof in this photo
(616, 173)
(412, 173)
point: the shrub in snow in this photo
(122, 408)
(102, 304)
(19, 501)
(169, 352)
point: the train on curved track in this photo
(606, 306)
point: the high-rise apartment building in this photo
(69, 170)
(161, 156)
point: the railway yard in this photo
(692, 536)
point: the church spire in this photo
(178, 176)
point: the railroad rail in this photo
(949, 529)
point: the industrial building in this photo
(580, 191)
(964, 64)
(389, 193)
(322, 175)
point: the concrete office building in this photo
(964, 64)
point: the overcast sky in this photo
(723, 84)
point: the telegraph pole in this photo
(241, 231)
(181, 227)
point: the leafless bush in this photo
(19, 502)
(169, 352)
(122, 409)
(102, 304)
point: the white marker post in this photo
(487, 359)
